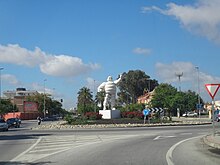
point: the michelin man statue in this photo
(110, 92)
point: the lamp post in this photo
(197, 68)
(1, 84)
(179, 75)
(44, 99)
(94, 98)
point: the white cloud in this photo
(167, 72)
(14, 54)
(143, 51)
(10, 79)
(66, 66)
(54, 65)
(92, 84)
(202, 18)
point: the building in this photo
(18, 97)
(146, 97)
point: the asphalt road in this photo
(131, 146)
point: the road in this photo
(118, 146)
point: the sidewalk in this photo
(213, 141)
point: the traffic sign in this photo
(146, 112)
(198, 106)
(212, 89)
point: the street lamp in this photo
(44, 98)
(179, 75)
(1, 84)
(197, 68)
(94, 98)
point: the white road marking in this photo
(47, 146)
(26, 151)
(169, 154)
(162, 137)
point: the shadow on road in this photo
(20, 163)
(21, 137)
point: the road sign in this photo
(146, 112)
(199, 106)
(212, 89)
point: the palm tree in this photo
(99, 98)
(85, 100)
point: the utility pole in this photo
(94, 97)
(179, 75)
(199, 108)
(1, 85)
(44, 99)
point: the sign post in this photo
(212, 90)
(145, 113)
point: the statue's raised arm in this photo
(118, 80)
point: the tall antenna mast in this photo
(179, 75)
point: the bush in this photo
(93, 116)
(75, 120)
(68, 118)
(134, 114)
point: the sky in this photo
(64, 45)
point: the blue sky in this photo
(77, 43)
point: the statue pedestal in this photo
(110, 114)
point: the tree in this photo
(6, 106)
(164, 97)
(133, 85)
(53, 107)
(99, 98)
(39, 99)
(167, 97)
(85, 101)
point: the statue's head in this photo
(109, 78)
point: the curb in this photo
(210, 141)
(106, 126)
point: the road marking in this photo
(169, 155)
(49, 149)
(47, 146)
(162, 137)
(26, 151)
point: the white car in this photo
(190, 114)
(3, 125)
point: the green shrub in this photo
(93, 116)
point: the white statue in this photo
(110, 92)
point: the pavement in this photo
(213, 140)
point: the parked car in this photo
(13, 122)
(3, 125)
(190, 114)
